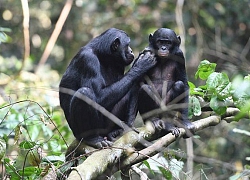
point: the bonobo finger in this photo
(106, 143)
(98, 145)
(176, 132)
(158, 124)
(161, 124)
(114, 134)
(141, 56)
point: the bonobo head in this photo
(120, 48)
(164, 42)
(115, 44)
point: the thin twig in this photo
(58, 28)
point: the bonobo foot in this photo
(188, 126)
(160, 126)
(98, 142)
(114, 134)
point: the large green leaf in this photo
(27, 144)
(205, 68)
(219, 85)
(195, 91)
(218, 105)
(194, 106)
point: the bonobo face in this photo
(121, 49)
(126, 51)
(129, 55)
(164, 41)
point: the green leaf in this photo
(195, 91)
(194, 106)
(10, 169)
(205, 68)
(34, 131)
(148, 166)
(218, 84)
(218, 106)
(3, 37)
(166, 173)
(29, 171)
(191, 85)
(242, 91)
(27, 144)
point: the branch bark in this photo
(122, 155)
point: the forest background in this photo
(218, 31)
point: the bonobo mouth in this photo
(163, 55)
(129, 60)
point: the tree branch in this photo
(122, 155)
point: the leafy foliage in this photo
(217, 91)
(35, 130)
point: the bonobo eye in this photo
(168, 42)
(164, 42)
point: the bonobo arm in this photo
(88, 68)
(108, 95)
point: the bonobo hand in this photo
(160, 125)
(147, 50)
(145, 62)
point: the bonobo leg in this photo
(148, 101)
(175, 93)
(180, 95)
(86, 122)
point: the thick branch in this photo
(98, 163)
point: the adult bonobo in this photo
(97, 72)
(166, 83)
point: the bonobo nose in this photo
(163, 48)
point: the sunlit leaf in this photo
(194, 106)
(28, 171)
(205, 68)
(195, 91)
(219, 84)
(27, 144)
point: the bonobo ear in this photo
(150, 38)
(116, 43)
(179, 37)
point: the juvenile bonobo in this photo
(166, 83)
(97, 72)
